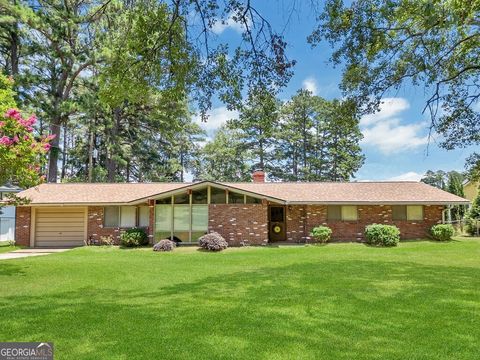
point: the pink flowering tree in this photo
(22, 153)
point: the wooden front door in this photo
(276, 223)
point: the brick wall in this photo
(301, 219)
(239, 223)
(95, 228)
(22, 225)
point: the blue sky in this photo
(396, 143)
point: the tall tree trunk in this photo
(111, 164)
(64, 152)
(14, 45)
(55, 129)
(90, 157)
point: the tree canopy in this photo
(383, 45)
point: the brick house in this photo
(253, 213)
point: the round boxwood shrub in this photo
(382, 235)
(134, 237)
(321, 234)
(442, 232)
(164, 245)
(212, 242)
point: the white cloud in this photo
(408, 176)
(389, 108)
(386, 132)
(220, 26)
(216, 118)
(310, 84)
(391, 137)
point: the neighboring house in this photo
(243, 213)
(470, 190)
(7, 214)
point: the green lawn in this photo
(5, 247)
(340, 301)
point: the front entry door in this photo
(276, 223)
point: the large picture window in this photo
(407, 212)
(185, 215)
(342, 213)
(126, 216)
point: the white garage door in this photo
(60, 226)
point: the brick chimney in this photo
(258, 176)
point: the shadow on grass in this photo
(318, 310)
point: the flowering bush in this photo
(22, 153)
(212, 242)
(164, 245)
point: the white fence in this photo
(7, 223)
(7, 228)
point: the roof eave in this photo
(466, 202)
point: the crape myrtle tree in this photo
(382, 45)
(131, 52)
(22, 151)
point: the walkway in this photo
(17, 254)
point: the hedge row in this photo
(384, 235)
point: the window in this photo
(407, 212)
(199, 221)
(199, 196)
(344, 213)
(415, 212)
(399, 213)
(252, 200)
(334, 212)
(143, 216)
(167, 200)
(277, 214)
(181, 222)
(125, 216)
(182, 199)
(217, 196)
(349, 213)
(111, 216)
(163, 221)
(235, 198)
(128, 216)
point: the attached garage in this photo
(59, 226)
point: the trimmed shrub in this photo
(442, 232)
(321, 234)
(382, 235)
(134, 237)
(164, 245)
(471, 226)
(212, 242)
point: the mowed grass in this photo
(6, 247)
(340, 301)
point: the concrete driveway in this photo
(17, 254)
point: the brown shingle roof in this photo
(353, 192)
(315, 192)
(80, 193)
